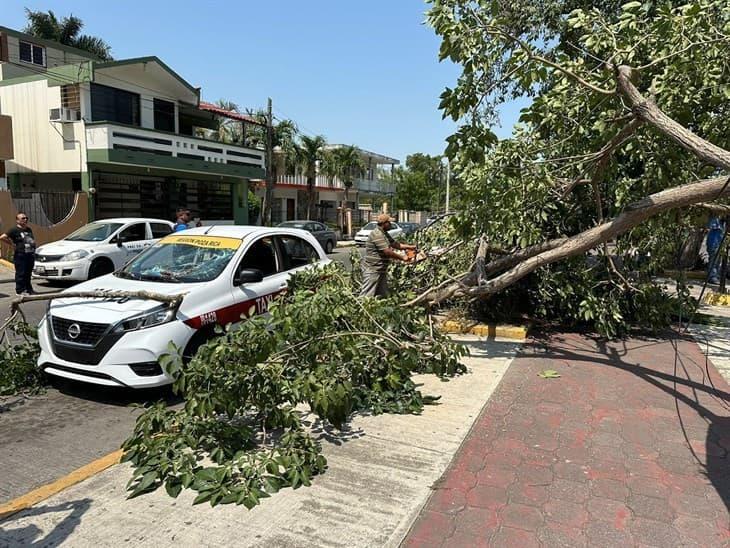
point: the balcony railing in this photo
(109, 135)
(362, 185)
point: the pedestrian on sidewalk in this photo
(380, 249)
(21, 236)
(716, 229)
(182, 220)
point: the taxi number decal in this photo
(208, 318)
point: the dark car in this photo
(409, 228)
(325, 236)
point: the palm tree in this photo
(66, 31)
(229, 130)
(345, 163)
(309, 153)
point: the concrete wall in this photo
(77, 218)
(40, 145)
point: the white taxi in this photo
(98, 248)
(224, 272)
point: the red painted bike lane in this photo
(629, 447)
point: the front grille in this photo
(88, 333)
(48, 258)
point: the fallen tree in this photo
(627, 129)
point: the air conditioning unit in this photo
(64, 114)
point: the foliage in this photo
(549, 181)
(66, 31)
(239, 436)
(420, 185)
(254, 207)
(19, 372)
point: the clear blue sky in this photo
(363, 73)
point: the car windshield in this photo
(293, 224)
(94, 232)
(370, 226)
(182, 259)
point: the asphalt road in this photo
(45, 437)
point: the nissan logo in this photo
(74, 330)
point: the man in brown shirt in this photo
(379, 250)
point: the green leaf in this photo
(549, 374)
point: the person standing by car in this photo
(379, 250)
(21, 236)
(183, 218)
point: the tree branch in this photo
(636, 213)
(647, 110)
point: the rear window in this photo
(160, 230)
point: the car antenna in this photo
(206, 232)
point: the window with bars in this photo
(33, 53)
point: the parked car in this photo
(409, 228)
(98, 248)
(225, 273)
(325, 235)
(362, 235)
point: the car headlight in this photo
(75, 255)
(156, 316)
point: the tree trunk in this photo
(635, 213)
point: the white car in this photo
(225, 273)
(362, 235)
(97, 248)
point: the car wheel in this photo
(328, 247)
(195, 342)
(100, 267)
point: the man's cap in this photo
(384, 218)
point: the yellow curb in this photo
(7, 264)
(45, 491)
(689, 274)
(486, 330)
(717, 299)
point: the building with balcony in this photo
(129, 132)
(368, 192)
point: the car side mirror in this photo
(119, 240)
(248, 276)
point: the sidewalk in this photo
(379, 476)
(621, 450)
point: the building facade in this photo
(369, 191)
(128, 132)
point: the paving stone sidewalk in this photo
(627, 448)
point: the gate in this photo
(45, 208)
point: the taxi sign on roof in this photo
(210, 242)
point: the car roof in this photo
(131, 220)
(239, 231)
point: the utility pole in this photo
(269, 195)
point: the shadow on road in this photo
(111, 395)
(31, 535)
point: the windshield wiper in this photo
(126, 275)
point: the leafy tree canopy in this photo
(629, 100)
